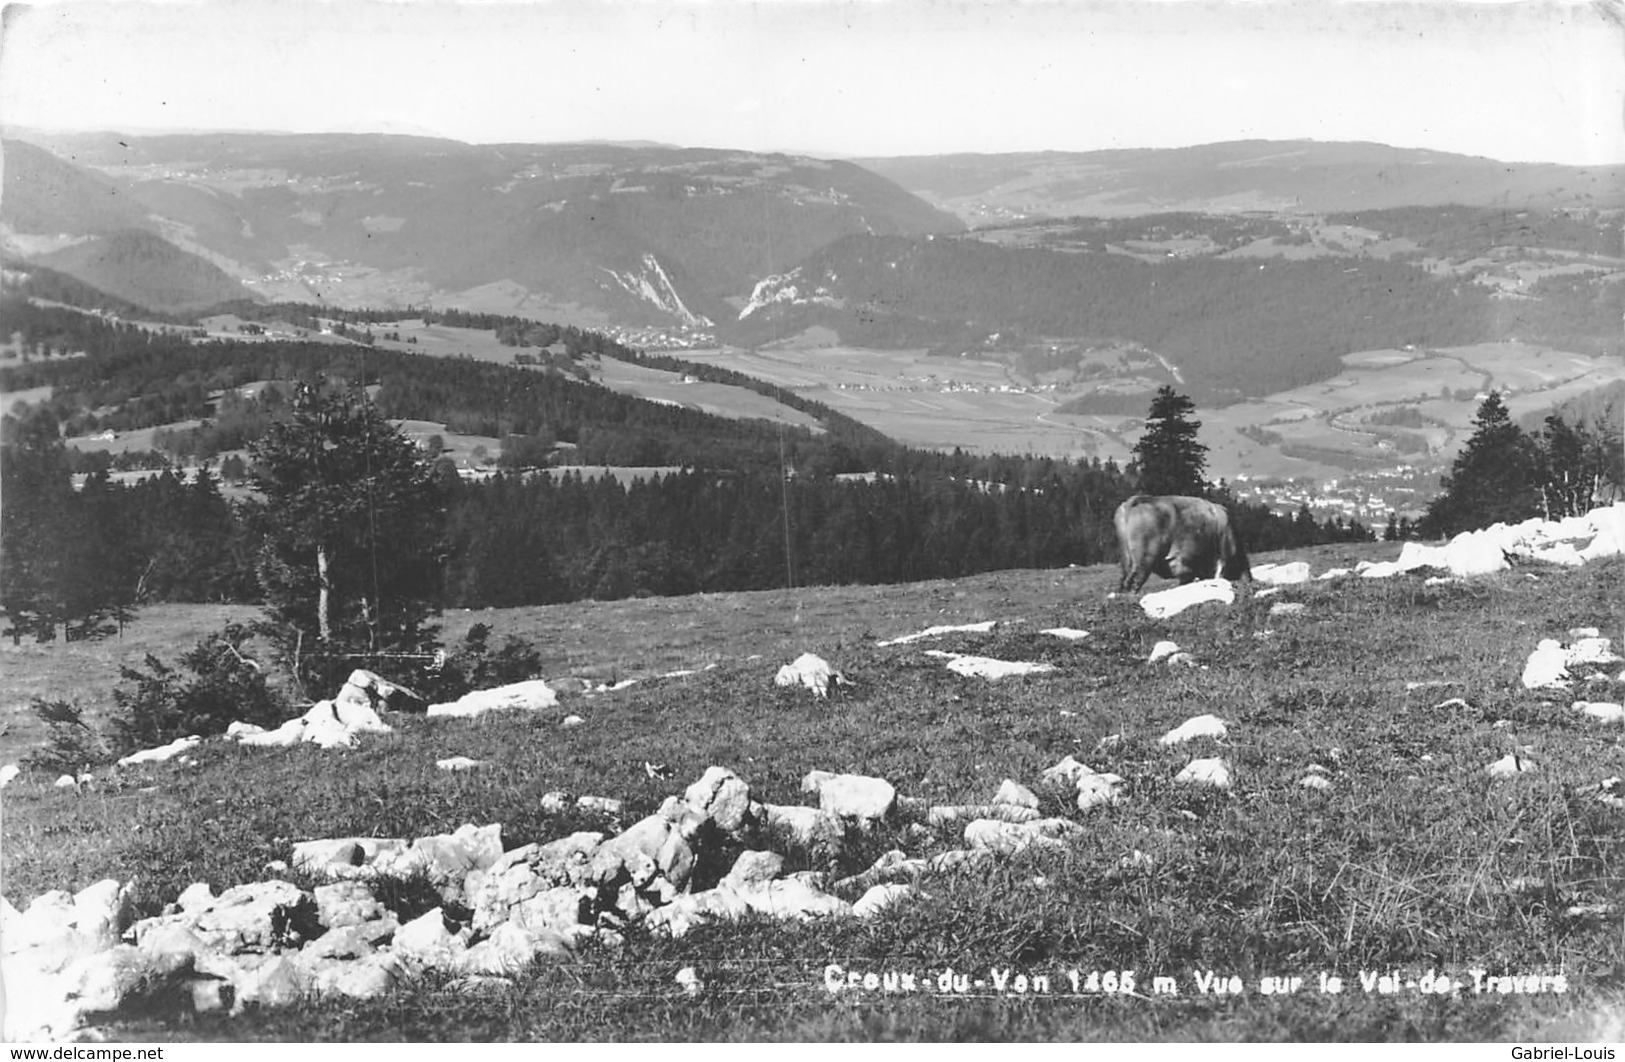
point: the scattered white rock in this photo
(1547, 667)
(932, 632)
(1601, 711)
(689, 981)
(1173, 601)
(810, 671)
(987, 667)
(66, 781)
(1453, 702)
(1209, 726)
(1287, 574)
(1097, 790)
(328, 724)
(880, 897)
(943, 814)
(7, 773)
(1013, 792)
(607, 805)
(803, 825)
(721, 796)
(1212, 772)
(1007, 838)
(1584, 632)
(856, 796)
(1592, 649)
(1065, 772)
(1509, 766)
(1315, 781)
(458, 763)
(1334, 573)
(162, 752)
(1162, 651)
(571, 721)
(1071, 634)
(533, 695)
(1287, 608)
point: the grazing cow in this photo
(1177, 538)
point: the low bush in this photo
(215, 686)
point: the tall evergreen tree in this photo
(1578, 466)
(1495, 479)
(353, 523)
(1169, 459)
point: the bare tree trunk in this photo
(323, 623)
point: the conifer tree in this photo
(1495, 479)
(353, 522)
(1169, 459)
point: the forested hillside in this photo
(755, 504)
(1230, 326)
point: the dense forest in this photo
(1232, 326)
(756, 505)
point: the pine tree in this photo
(1576, 466)
(1495, 479)
(1169, 459)
(353, 523)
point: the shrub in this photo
(223, 686)
(474, 665)
(71, 743)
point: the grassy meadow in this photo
(1412, 861)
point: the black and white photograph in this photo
(718, 521)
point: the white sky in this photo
(1514, 80)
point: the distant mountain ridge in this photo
(587, 232)
(1299, 176)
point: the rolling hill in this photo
(1298, 176)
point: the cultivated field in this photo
(1413, 861)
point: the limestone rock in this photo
(1008, 838)
(426, 941)
(1213, 773)
(943, 814)
(162, 752)
(1208, 726)
(1287, 574)
(754, 868)
(810, 671)
(1547, 667)
(366, 689)
(346, 903)
(1097, 790)
(345, 856)
(802, 825)
(879, 898)
(368, 977)
(1601, 711)
(258, 916)
(892, 866)
(989, 668)
(856, 796)
(723, 797)
(509, 950)
(1510, 766)
(1172, 602)
(534, 695)
(1064, 773)
(1014, 793)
